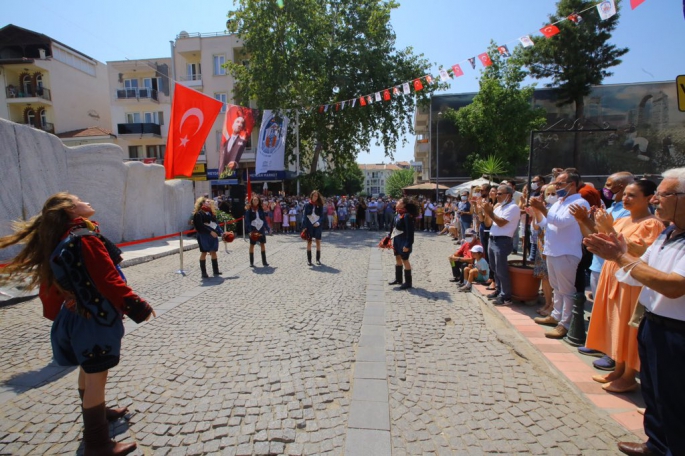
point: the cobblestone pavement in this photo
(262, 362)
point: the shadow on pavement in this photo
(34, 378)
(432, 295)
(325, 269)
(212, 281)
(264, 270)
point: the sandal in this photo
(491, 288)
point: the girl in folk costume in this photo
(85, 294)
(208, 234)
(402, 235)
(255, 222)
(313, 221)
(286, 220)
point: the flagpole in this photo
(297, 135)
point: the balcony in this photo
(14, 93)
(136, 94)
(191, 80)
(47, 126)
(139, 129)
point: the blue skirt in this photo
(207, 242)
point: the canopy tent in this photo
(423, 187)
(454, 191)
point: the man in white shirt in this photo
(661, 334)
(373, 214)
(428, 209)
(505, 219)
(563, 248)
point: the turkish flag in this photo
(549, 30)
(192, 117)
(362, 101)
(485, 59)
(635, 3)
(457, 71)
(386, 95)
(417, 84)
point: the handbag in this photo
(305, 235)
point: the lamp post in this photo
(437, 158)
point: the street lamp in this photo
(437, 158)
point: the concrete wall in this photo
(132, 200)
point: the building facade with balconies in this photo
(49, 85)
(198, 62)
(375, 177)
(140, 101)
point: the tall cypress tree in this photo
(577, 58)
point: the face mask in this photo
(551, 199)
(476, 195)
(464, 198)
(469, 239)
(562, 192)
(534, 186)
(608, 194)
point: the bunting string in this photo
(605, 9)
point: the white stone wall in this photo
(132, 200)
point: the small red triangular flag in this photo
(362, 101)
(549, 31)
(386, 95)
(320, 109)
(417, 84)
(635, 3)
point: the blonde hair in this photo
(40, 235)
(200, 202)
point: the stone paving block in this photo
(369, 415)
(374, 310)
(370, 390)
(372, 341)
(377, 370)
(365, 442)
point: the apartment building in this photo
(51, 86)
(197, 62)
(140, 101)
(421, 163)
(375, 177)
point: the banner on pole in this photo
(271, 145)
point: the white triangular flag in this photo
(325, 109)
(342, 105)
(354, 102)
(606, 9)
(526, 41)
(443, 75)
(405, 88)
(378, 96)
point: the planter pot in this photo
(524, 287)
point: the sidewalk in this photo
(575, 369)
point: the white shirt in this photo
(428, 210)
(666, 258)
(517, 197)
(509, 212)
(562, 233)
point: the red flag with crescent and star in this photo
(192, 117)
(635, 3)
(485, 59)
(550, 30)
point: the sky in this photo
(444, 31)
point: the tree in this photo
(319, 52)
(575, 59)
(492, 166)
(397, 181)
(499, 120)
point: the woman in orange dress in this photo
(615, 302)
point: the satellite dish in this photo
(183, 34)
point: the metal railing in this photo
(136, 93)
(201, 35)
(141, 128)
(192, 77)
(12, 91)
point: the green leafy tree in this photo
(492, 166)
(575, 59)
(320, 52)
(499, 120)
(397, 181)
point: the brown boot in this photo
(557, 333)
(111, 414)
(547, 321)
(96, 440)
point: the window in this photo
(26, 85)
(130, 83)
(193, 72)
(30, 117)
(160, 117)
(153, 152)
(135, 151)
(133, 117)
(39, 81)
(152, 117)
(222, 97)
(219, 61)
(43, 118)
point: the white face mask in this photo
(476, 195)
(534, 186)
(551, 199)
(464, 198)
(469, 239)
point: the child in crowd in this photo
(286, 221)
(292, 217)
(478, 272)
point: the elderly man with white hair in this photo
(661, 334)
